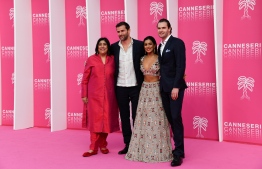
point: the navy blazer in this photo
(172, 65)
(138, 52)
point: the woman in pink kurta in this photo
(98, 93)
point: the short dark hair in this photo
(154, 42)
(167, 22)
(123, 23)
(107, 43)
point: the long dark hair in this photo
(154, 42)
(107, 43)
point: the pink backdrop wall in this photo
(41, 62)
(149, 13)
(196, 28)
(111, 13)
(242, 71)
(7, 60)
(76, 46)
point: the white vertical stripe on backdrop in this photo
(93, 24)
(131, 15)
(218, 32)
(172, 15)
(23, 65)
(58, 64)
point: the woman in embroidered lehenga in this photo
(150, 141)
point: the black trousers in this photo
(124, 95)
(173, 110)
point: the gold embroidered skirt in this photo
(150, 141)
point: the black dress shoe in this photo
(124, 151)
(177, 161)
(181, 155)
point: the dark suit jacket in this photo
(138, 52)
(172, 65)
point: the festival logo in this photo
(74, 118)
(199, 48)
(190, 13)
(8, 115)
(42, 84)
(79, 78)
(7, 51)
(47, 51)
(13, 78)
(245, 83)
(245, 5)
(78, 52)
(81, 14)
(48, 116)
(40, 19)
(242, 50)
(112, 17)
(11, 15)
(200, 124)
(201, 89)
(243, 130)
(156, 8)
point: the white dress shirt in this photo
(126, 76)
(163, 44)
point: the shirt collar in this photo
(131, 43)
(163, 43)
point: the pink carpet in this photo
(38, 148)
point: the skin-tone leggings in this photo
(98, 140)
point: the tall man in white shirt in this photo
(128, 77)
(172, 58)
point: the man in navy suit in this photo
(128, 77)
(172, 57)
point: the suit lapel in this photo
(159, 53)
(134, 51)
(117, 52)
(168, 43)
(158, 49)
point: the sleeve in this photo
(180, 56)
(112, 49)
(86, 77)
(142, 49)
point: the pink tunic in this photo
(98, 87)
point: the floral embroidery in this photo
(150, 140)
(153, 71)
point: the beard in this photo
(123, 37)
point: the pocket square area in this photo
(167, 50)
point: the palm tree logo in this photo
(79, 78)
(13, 78)
(48, 115)
(200, 123)
(245, 84)
(47, 51)
(246, 4)
(156, 8)
(199, 47)
(81, 13)
(11, 15)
